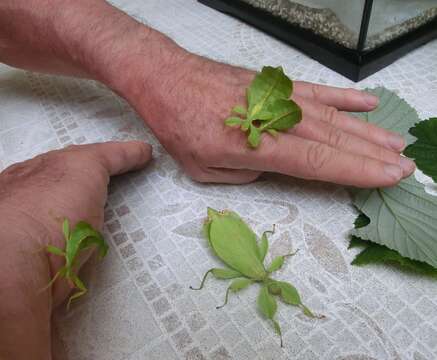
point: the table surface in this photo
(139, 305)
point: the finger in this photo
(120, 157)
(342, 99)
(294, 156)
(345, 122)
(227, 176)
(324, 132)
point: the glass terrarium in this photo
(354, 37)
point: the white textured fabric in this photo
(139, 305)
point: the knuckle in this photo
(318, 156)
(337, 138)
(382, 154)
(370, 131)
(363, 166)
(317, 91)
(330, 114)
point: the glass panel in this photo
(337, 20)
(393, 18)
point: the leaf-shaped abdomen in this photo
(235, 244)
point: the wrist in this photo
(149, 63)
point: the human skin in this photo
(34, 198)
(184, 98)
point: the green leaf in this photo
(286, 114)
(424, 150)
(254, 136)
(403, 217)
(239, 109)
(233, 121)
(379, 254)
(392, 113)
(361, 221)
(267, 303)
(269, 85)
(355, 242)
(276, 264)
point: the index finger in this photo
(340, 98)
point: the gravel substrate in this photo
(326, 23)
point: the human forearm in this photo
(83, 38)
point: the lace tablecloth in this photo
(139, 305)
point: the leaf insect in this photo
(232, 240)
(269, 106)
(81, 237)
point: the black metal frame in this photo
(354, 64)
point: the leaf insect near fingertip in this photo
(82, 237)
(237, 246)
(270, 108)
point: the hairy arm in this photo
(184, 98)
(89, 39)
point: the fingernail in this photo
(393, 171)
(371, 100)
(396, 142)
(407, 165)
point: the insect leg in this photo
(236, 285)
(219, 274)
(80, 286)
(226, 298)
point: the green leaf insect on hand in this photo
(269, 106)
(402, 218)
(424, 150)
(237, 246)
(80, 238)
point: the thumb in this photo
(120, 157)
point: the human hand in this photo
(35, 196)
(187, 108)
(185, 98)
